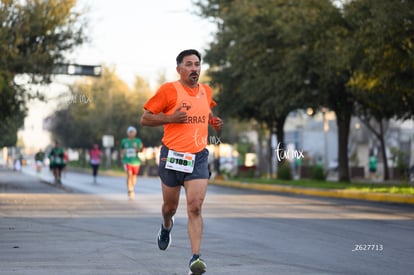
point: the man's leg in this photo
(134, 176)
(195, 194)
(133, 180)
(95, 170)
(130, 188)
(55, 173)
(59, 174)
(171, 197)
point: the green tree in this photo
(383, 78)
(101, 106)
(35, 35)
(12, 110)
(151, 136)
(272, 57)
(329, 71)
(261, 57)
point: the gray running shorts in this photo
(174, 178)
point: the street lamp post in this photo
(325, 138)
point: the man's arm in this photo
(122, 150)
(215, 121)
(141, 147)
(150, 119)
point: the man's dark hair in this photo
(185, 53)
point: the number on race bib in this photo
(183, 162)
(131, 153)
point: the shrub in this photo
(284, 172)
(246, 171)
(317, 173)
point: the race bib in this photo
(131, 153)
(182, 162)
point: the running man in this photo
(183, 107)
(57, 162)
(95, 155)
(130, 147)
(39, 159)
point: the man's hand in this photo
(217, 123)
(178, 116)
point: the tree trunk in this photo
(383, 151)
(263, 164)
(270, 155)
(82, 157)
(280, 134)
(343, 121)
(276, 127)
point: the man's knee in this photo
(170, 208)
(194, 206)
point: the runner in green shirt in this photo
(57, 162)
(129, 153)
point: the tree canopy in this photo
(383, 79)
(103, 106)
(383, 76)
(264, 56)
(35, 35)
(272, 57)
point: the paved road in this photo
(95, 229)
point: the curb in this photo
(330, 193)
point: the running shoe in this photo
(197, 265)
(164, 236)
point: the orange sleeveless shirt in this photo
(192, 135)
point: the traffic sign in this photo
(77, 69)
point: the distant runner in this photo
(95, 155)
(57, 162)
(39, 159)
(130, 147)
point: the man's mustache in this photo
(194, 74)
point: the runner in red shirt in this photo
(95, 155)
